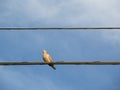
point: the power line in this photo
(59, 28)
(62, 63)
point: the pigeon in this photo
(47, 58)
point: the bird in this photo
(47, 58)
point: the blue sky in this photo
(62, 45)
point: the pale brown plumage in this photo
(47, 58)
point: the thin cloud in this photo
(75, 13)
(12, 79)
(111, 37)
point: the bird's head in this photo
(44, 51)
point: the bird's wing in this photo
(50, 58)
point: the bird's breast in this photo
(46, 58)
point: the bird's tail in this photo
(52, 66)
